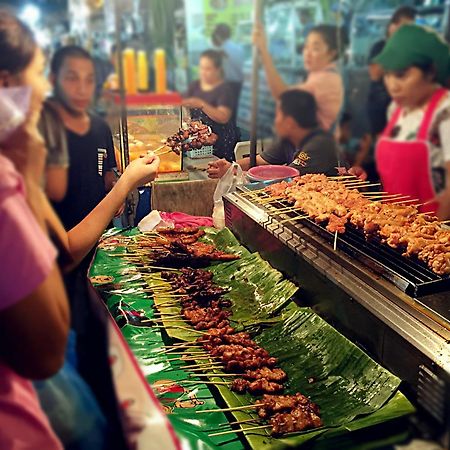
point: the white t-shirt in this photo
(408, 126)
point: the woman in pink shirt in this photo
(34, 311)
(323, 47)
(34, 317)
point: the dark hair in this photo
(69, 51)
(301, 106)
(335, 38)
(17, 43)
(215, 56)
(404, 12)
(428, 69)
(221, 33)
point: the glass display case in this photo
(151, 119)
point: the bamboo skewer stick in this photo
(222, 433)
(341, 177)
(209, 365)
(335, 241)
(218, 375)
(412, 200)
(238, 422)
(177, 327)
(235, 408)
(294, 218)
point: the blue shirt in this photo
(233, 62)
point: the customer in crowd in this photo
(301, 142)
(355, 151)
(34, 311)
(89, 139)
(323, 47)
(212, 101)
(233, 59)
(404, 15)
(413, 153)
(34, 315)
(53, 131)
(378, 99)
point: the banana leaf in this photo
(360, 394)
(257, 290)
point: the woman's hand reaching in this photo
(141, 171)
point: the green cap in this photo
(413, 44)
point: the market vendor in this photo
(301, 142)
(413, 153)
(323, 47)
(212, 100)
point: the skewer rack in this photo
(393, 307)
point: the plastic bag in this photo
(233, 177)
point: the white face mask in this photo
(14, 107)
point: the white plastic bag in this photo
(233, 177)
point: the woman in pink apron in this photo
(413, 153)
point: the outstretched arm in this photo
(276, 84)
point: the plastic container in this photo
(204, 152)
(271, 172)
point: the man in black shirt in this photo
(91, 149)
(301, 143)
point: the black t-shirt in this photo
(317, 153)
(228, 134)
(91, 155)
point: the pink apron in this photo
(405, 167)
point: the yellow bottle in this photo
(142, 71)
(160, 71)
(129, 70)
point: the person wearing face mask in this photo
(35, 314)
(212, 100)
(413, 153)
(89, 139)
(323, 47)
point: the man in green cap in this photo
(413, 153)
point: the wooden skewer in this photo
(219, 383)
(372, 184)
(342, 177)
(182, 344)
(401, 202)
(235, 408)
(285, 210)
(218, 375)
(238, 422)
(215, 366)
(211, 365)
(335, 241)
(242, 430)
(190, 357)
(179, 327)
(293, 218)
(165, 153)
(406, 197)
